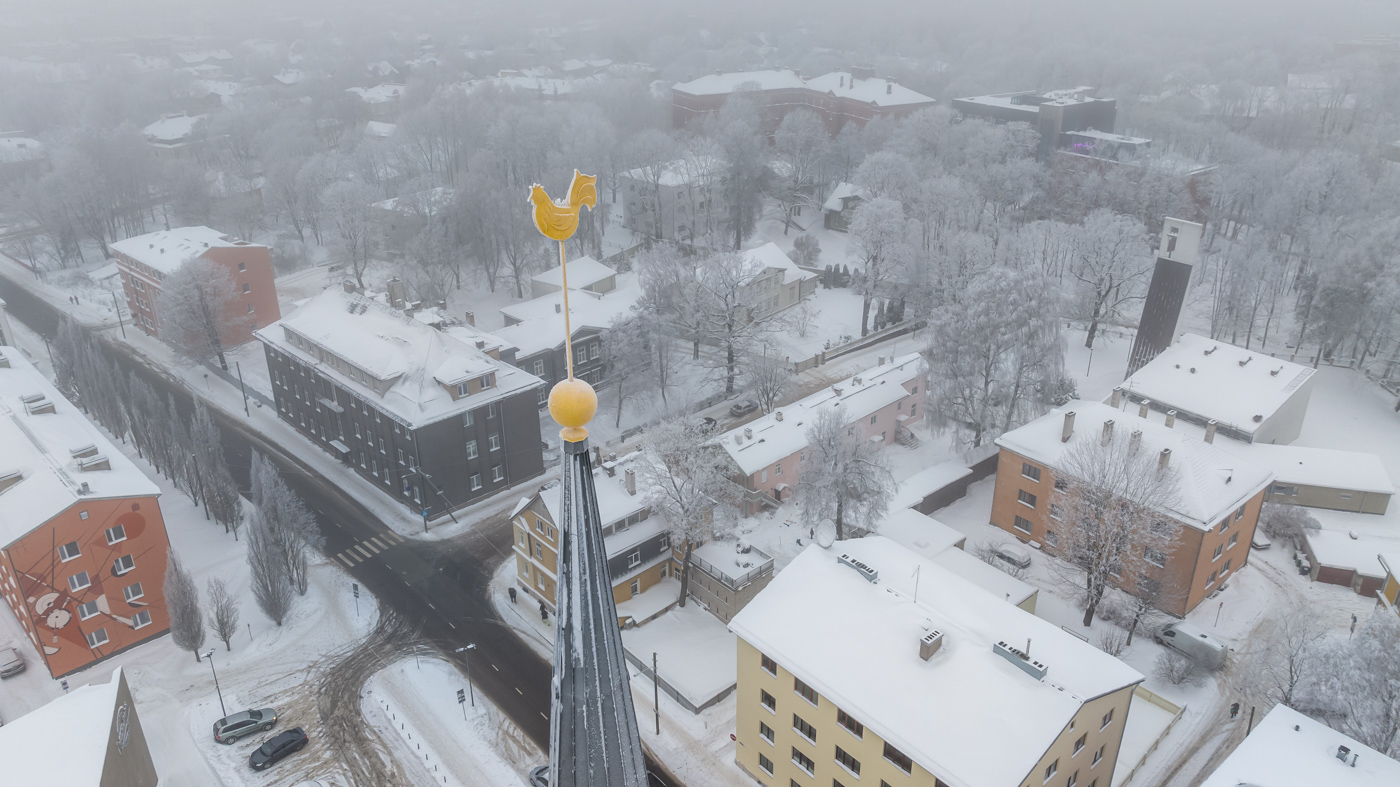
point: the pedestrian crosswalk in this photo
(368, 548)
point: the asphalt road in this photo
(443, 587)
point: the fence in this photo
(856, 345)
(670, 690)
(232, 380)
(734, 583)
(1164, 704)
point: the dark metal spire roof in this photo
(593, 738)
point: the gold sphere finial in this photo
(572, 404)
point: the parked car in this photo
(743, 407)
(277, 747)
(244, 723)
(705, 424)
(1260, 540)
(1193, 643)
(539, 777)
(11, 663)
(1014, 555)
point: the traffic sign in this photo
(461, 696)
(355, 588)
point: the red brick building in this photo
(82, 542)
(147, 260)
(840, 97)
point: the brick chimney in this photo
(1068, 430)
(1107, 431)
(1164, 460)
(1210, 431)
(1135, 441)
(629, 479)
(1117, 400)
(1171, 418)
(1143, 408)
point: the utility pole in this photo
(241, 389)
(119, 314)
(466, 657)
(210, 656)
(655, 692)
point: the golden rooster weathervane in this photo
(573, 402)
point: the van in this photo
(1014, 555)
(1193, 643)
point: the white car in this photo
(1190, 641)
(11, 663)
(1014, 555)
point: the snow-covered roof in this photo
(1294, 464)
(167, 250)
(967, 715)
(200, 57)
(290, 76)
(40, 447)
(436, 198)
(879, 91)
(14, 149)
(716, 84)
(1288, 749)
(172, 129)
(614, 505)
(919, 532)
(989, 578)
(541, 320)
(1211, 481)
(927, 481)
(775, 438)
(82, 718)
(378, 94)
(583, 272)
(770, 256)
(1218, 380)
(843, 191)
(1336, 549)
(1105, 136)
(678, 172)
(224, 90)
(377, 129)
(381, 68)
(1390, 561)
(389, 345)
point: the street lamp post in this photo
(468, 660)
(210, 656)
(119, 314)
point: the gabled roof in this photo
(977, 720)
(583, 272)
(379, 94)
(771, 257)
(842, 192)
(880, 92)
(541, 319)
(715, 84)
(167, 250)
(172, 129)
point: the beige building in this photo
(865, 663)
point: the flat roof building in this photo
(1053, 114)
(1288, 749)
(840, 97)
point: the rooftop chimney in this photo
(348, 286)
(889, 88)
(1164, 460)
(1134, 441)
(930, 643)
(1143, 408)
(558, 308)
(629, 479)
(1117, 399)
(748, 432)
(84, 489)
(471, 317)
(1107, 431)
(1068, 431)
(778, 415)
(1171, 418)
(1210, 431)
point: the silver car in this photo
(243, 724)
(11, 663)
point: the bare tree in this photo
(1287, 522)
(223, 612)
(350, 207)
(845, 478)
(629, 357)
(1293, 656)
(1111, 508)
(286, 520)
(182, 602)
(1112, 266)
(725, 317)
(198, 304)
(878, 231)
(768, 377)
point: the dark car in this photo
(244, 723)
(277, 747)
(739, 409)
(539, 777)
(705, 425)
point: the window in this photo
(541, 396)
(1051, 538)
(381, 446)
(1022, 524)
(539, 367)
(468, 419)
(636, 586)
(778, 469)
(141, 619)
(1225, 569)
(1052, 769)
(250, 308)
(133, 591)
(807, 692)
(1056, 512)
(69, 551)
(242, 267)
(79, 581)
(494, 440)
(498, 473)
(767, 700)
(844, 719)
(247, 288)
(82, 515)
(593, 351)
(1233, 538)
(491, 410)
(1072, 780)
(400, 456)
(803, 761)
(97, 638)
(766, 764)
(803, 728)
(123, 564)
(769, 666)
(634, 559)
(476, 481)
(1154, 557)
(1107, 719)
(462, 389)
(1210, 580)
(471, 449)
(765, 732)
(1030, 471)
(873, 417)
(1061, 484)
(580, 355)
(1239, 512)
(851, 763)
(116, 535)
(87, 610)
(1098, 755)
(1025, 498)
(897, 757)
(1079, 744)
(1219, 550)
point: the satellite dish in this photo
(826, 533)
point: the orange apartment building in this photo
(82, 542)
(1218, 498)
(146, 260)
(770, 452)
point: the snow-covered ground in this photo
(695, 652)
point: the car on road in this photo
(244, 723)
(11, 663)
(1260, 541)
(539, 777)
(705, 424)
(277, 747)
(1013, 555)
(1193, 643)
(742, 408)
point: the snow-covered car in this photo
(1014, 555)
(244, 723)
(742, 408)
(277, 747)
(11, 663)
(539, 777)
(1193, 643)
(705, 425)
(1260, 541)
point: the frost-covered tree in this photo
(801, 144)
(845, 478)
(687, 481)
(628, 351)
(267, 570)
(198, 304)
(1287, 522)
(223, 612)
(1365, 675)
(1292, 657)
(1112, 528)
(725, 318)
(182, 602)
(285, 520)
(878, 241)
(349, 206)
(768, 376)
(1112, 266)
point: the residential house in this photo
(770, 452)
(1289, 749)
(954, 686)
(400, 219)
(840, 207)
(1321, 477)
(82, 540)
(1211, 522)
(679, 200)
(380, 102)
(840, 97)
(947, 547)
(175, 136)
(20, 157)
(585, 273)
(775, 282)
(145, 261)
(438, 418)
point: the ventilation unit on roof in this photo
(30, 398)
(4, 362)
(930, 643)
(84, 452)
(98, 462)
(8, 480)
(84, 489)
(1022, 660)
(40, 407)
(866, 571)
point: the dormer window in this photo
(485, 381)
(461, 389)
